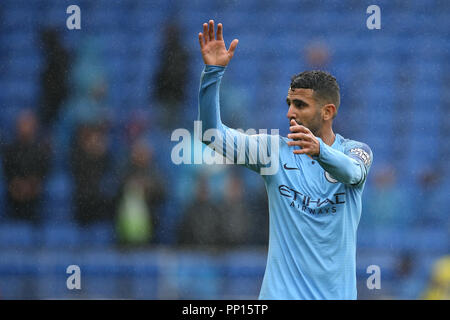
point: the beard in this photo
(314, 125)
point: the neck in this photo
(327, 135)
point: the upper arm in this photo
(258, 152)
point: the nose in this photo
(290, 114)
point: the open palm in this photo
(213, 47)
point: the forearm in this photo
(342, 167)
(209, 105)
(235, 146)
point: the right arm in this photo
(235, 146)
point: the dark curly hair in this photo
(323, 84)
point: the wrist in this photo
(317, 156)
(213, 66)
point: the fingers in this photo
(299, 128)
(208, 35)
(300, 143)
(211, 30)
(293, 123)
(307, 147)
(302, 151)
(300, 136)
(205, 33)
(208, 32)
(219, 32)
(201, 40)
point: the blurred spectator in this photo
(172, 77)
(90, 163)
(432, 202)
(405, 265)
(439, 286)
(259, 208)
(55, 76)
(88, 75)
(317, 55)
(200, 224)
(26, 162)
(407, 283)
(386, 204)
(87, 102)
(233, 216)
(141, 193)
(137, 126)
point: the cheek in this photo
(308, 114)
(319, 115)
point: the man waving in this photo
(315, 193)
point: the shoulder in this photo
(357, 149)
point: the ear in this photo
(328, 111)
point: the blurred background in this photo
(86, 117)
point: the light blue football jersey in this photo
(314, 204)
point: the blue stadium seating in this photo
(195, 279)
(245, 271)
(60, 236)
(98, 235)
(17, 234)
(130, 34)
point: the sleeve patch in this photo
(361, 154)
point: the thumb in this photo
(233, 46)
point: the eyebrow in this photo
(297, 102)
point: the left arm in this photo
(349, 167)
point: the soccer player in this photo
(315, 195)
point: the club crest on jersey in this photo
(330, 178)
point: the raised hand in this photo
(304, 138)
(213, 48)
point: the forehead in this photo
(300, 93)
